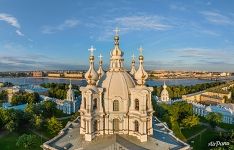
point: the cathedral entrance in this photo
(115, 125)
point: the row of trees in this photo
(24, 97)
(59, 90)
(3, 96)
(36, 116)
(176, 91)
(177, 115)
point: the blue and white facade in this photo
(70, 104)
(226, 111)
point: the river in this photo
(80, 82)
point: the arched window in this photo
(95, 126)
(136, 104)
(136, 125)
(147, 102)
(84, 103)
(115, 125)
(116, 105)
(95, 104)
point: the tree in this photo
(37, 121)
(29, 109)
(214, 118)
(26, 141)
(54, 125)
(48, 108)
(3, 96)
(190, 121)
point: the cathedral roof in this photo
(116, 84)
(117, 81)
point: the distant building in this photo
(11, 91)
(57, 75)
(37, 74)
(73, 75)
(70, 104)
(164, 94)
(226, 110)
(207, 97)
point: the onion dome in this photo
(133, 70)
(116, 62)
(100, 70)
(141, 75)
(164, 93)
(164, 86)
(91, 75)
(70, 93)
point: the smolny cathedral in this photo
(116, 111)
(116, 102)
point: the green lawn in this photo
(226, 126)
(192, 131)
(47, 134)
(58, 114)
(201, 142)
(8, 142)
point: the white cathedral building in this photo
(164, 94)
(114, 102)
(116, 111)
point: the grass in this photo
(188, 132)
(176, 129)
(201, 142)
(203, 119)
(47, 133)
(59, 114)
(226, 126)
(8, 142)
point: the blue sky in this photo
(175, 35)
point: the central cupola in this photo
(116, 60)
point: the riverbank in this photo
(82, 82)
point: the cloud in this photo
(70, 23)
(142, 23)
(177, 7)
(218, 54)
(133, 23)
(34, 62)
(19, 33)
(12, 21)
(217, 18)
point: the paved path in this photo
(191, 137)
(64, 118)
(39, 134)
(3, 133)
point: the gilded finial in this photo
(92, 49)
(116, 31)
(141, 50)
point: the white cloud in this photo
(12, 21)
(177, 7)
(217, 18)
(203, 53)
(132, 23)
(19, 33)
(142, 22)
(70, 23)
(9, 19)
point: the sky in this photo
(176, 35)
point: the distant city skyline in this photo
(175, 35)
